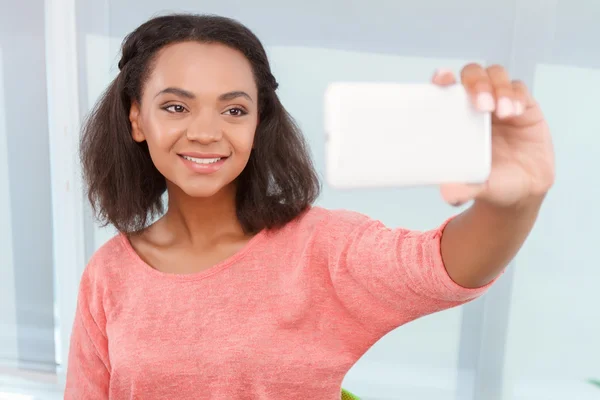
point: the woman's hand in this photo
(522, 151)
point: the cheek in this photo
(162, 134)
(242, 141)
(245, 142)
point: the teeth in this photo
(202, 160)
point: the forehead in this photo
(201, 68)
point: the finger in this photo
(522, 94)
(477, 83)
(506, 104)
(443, 77)
(457, 194)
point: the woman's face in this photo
(198, 113)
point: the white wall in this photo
(554, 333)
(26, 194)
(8, 313)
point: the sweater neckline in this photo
(147, 269)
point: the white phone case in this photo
(389, 134)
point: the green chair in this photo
(346, 395)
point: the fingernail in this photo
(505, 108)
(485, 102)
(519, 108)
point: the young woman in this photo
(242, 289)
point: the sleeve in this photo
(387, 277)
(88, 371)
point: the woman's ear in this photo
(134, 116)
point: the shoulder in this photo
(99, 274)
(336, 220)
(326, 223)
(107, 261)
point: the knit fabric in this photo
(285, 317)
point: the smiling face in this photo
(198, 114)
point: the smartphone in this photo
(395, 135)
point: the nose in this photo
(205, 128)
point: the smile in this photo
(203, 160)
(203, 163)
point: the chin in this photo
(198, 192)
(209, 189)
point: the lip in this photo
(203, 155)
(203, 168)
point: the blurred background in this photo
(534, 336)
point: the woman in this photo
(242, 289)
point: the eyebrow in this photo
(177, 92)
(189, 95)
(234, 95)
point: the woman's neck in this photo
(202, 220)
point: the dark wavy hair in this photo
(125, 188)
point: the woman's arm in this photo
(385, 277)
(88, 371)
(479, 243)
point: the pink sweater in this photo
(284, 318)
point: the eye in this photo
(175, 108)
(236, 112)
